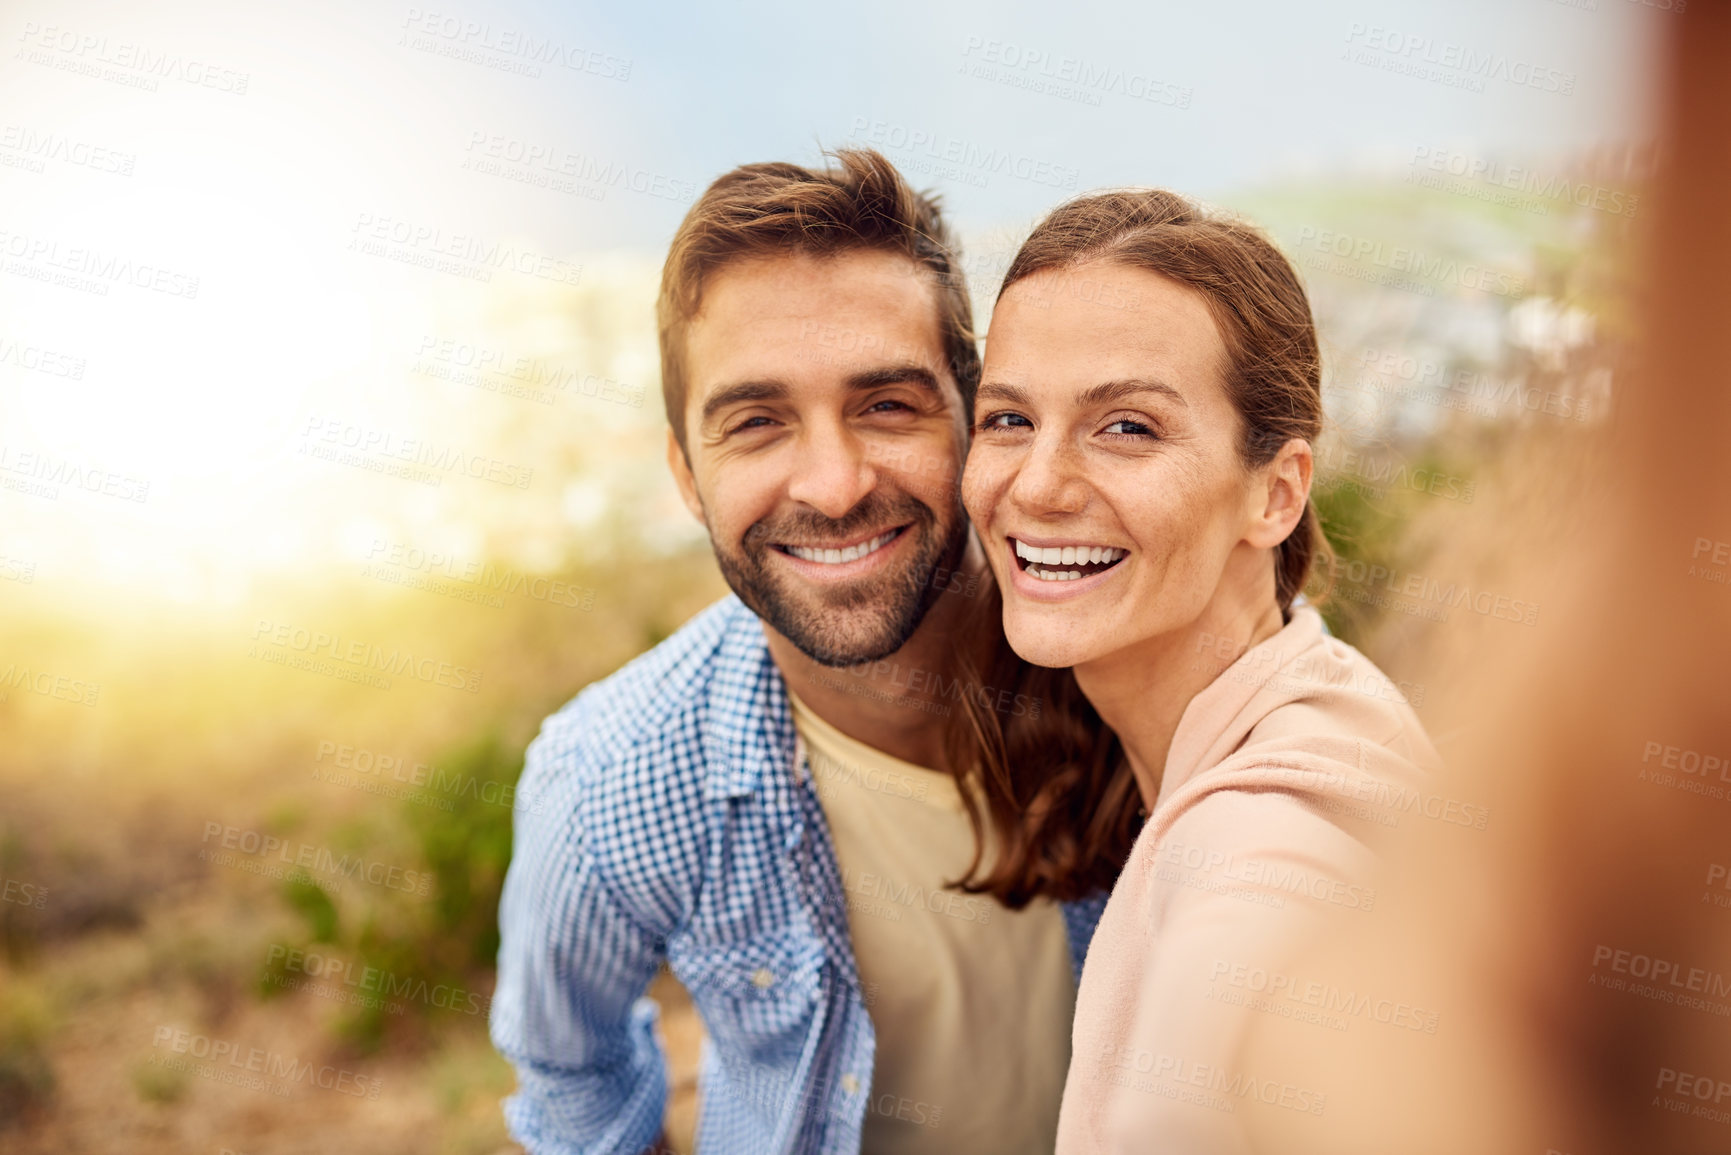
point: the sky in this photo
(221, 223)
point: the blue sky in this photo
(1269, 90)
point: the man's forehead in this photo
(796, 283)
(794, 313)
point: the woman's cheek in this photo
(976, 497)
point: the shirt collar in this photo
(748, 729)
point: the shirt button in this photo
(850, 1083)
(762, 978)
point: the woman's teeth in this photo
(839, 556)
(1079, 560)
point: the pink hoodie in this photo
(1277, 771)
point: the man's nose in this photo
(833, 473)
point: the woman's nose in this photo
(1049, 480)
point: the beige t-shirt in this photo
(971, 1002)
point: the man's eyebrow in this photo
(897, 375)
(739, 393)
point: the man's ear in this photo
(1283, 494)
(682, 477)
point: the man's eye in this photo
(1128, 428)
(888, 405)
(1005, 421)
(749, 424)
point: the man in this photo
(757, 801)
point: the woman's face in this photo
(1104, 479)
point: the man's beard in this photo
(864, 620)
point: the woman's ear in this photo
(1284, 490)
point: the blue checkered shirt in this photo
(673, 827)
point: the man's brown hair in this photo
(860, 202)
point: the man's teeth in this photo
(1039, 557)
(839, 556)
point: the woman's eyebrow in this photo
(1109, 391)
(1101, 394)
(998, 391)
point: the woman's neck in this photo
(1143, 689)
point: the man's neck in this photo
(897, 704)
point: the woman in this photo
(1140, 478)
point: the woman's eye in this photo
(1006, 421)
(1128, 428)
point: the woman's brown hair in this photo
(1054, 806)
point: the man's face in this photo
(826, 436)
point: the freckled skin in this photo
(1157, 475)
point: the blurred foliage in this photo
(26, 1024)
(436, 947)
(159, 1084)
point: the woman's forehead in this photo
(1102, 323)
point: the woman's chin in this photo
(1054, 644)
